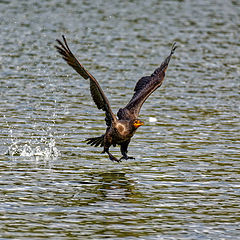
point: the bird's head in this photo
(137, 123)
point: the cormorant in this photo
(120, 129)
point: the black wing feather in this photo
(144, 88)
(142, 83)
(97, 93)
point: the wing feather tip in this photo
(174, 47)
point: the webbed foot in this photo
(126, 157)
(112, 158)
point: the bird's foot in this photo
(126, 157)
(114, 159)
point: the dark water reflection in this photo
(184, 183)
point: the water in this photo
(184, 183)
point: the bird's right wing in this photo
(97, 93)
(144, 88)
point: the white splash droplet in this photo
(152, 119)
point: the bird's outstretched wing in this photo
(144, 88)
(97, 93)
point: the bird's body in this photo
(119, 133)
(120, 129)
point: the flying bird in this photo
(122, 127)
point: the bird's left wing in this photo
(97, 93)
(144, 88)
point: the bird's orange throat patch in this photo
(138, 123)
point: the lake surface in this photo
(184, 183)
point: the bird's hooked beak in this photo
(138, 123)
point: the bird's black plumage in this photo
(120, 129)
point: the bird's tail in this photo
(96, 141)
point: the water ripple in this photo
(184, 183)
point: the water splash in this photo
(152, 119)
(46, 150)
